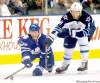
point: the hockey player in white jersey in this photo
(75, 26)
(32, 47)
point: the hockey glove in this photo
(80, 34)
(37, 72)
(27, 63)
(49, 40)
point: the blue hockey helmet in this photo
(34, 27)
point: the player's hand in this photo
(27, 63)
(48, 41)
(80, 34)
(77, 33)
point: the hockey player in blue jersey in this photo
(75, 26)
(32, 47)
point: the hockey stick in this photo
(46, 58)
(11, 75)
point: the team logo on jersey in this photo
(88, 19)
(65, 17)
(25, 37)
(23, 44)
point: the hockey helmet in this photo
(76, 6)
(34, 27)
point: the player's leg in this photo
(84, 50)
(38, 69)
(50, 60)
(66, 62)
(69, 45)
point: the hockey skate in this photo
(83, 67)
(63, 68)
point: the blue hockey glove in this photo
(80, 34)
(77, 33)
(27, 63)
(37, 72)
(49, 40)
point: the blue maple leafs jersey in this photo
(30, 47)
(84, 23)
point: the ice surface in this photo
(70, 76)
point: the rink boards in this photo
(16, 58)
(13, 27)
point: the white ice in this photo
(70, 76)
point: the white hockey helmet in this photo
(76, 6)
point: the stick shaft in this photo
(15, 73)
(46, 58)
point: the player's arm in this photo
(26, 53)
(58, 29)
(89, 29)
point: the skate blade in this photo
(82, 72)
(63, 72)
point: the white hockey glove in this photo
(27, 62)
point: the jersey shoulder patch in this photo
(88, 19)
(26, 36)
(87, 16)
(65, 17)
